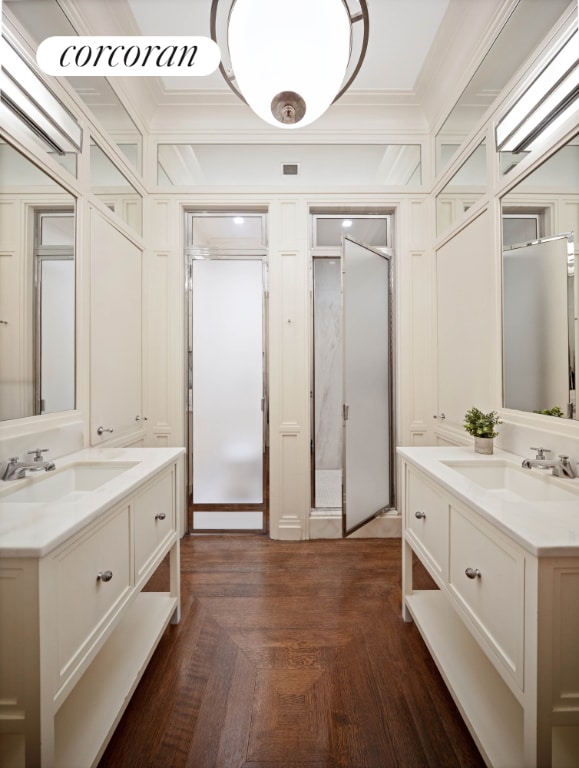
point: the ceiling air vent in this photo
(290, 169)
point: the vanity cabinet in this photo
(82, 629)
(502, 625)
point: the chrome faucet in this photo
(561, 467)
(16, 470)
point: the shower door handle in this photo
(346, 412)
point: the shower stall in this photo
(352, 386)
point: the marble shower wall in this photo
(328, 363)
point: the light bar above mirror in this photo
(28, 97)
(553, 94)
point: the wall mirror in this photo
(540, 222)
(37, 290)
(114, 189)
(508, 53)
(466, 186)
(317, 164)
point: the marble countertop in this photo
(33, 529)
(543, 528)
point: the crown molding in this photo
(473, 27)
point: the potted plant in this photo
(482, 427)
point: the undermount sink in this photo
(66, 483)
(512, 482)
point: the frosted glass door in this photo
(367, 384)
(56, 335)
(227, 317)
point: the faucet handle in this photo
(37, 452)
(541, 452)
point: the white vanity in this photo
(502, 544)
(77, 546)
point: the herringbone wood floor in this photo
(291, 655)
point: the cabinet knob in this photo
(473, 573)
(100, 430)
(420, 515)
(160, 516)
(104, 575)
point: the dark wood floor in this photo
(291, 655)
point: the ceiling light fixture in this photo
(290, 59)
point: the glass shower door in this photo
(228, 396)
(368, 444)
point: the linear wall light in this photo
(290, 59)
(25, 94)
(551, 96)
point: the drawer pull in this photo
(420, 515)
(104, 575)
(160, 516)
(473, 573)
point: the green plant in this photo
(554, 411)
(479, 424)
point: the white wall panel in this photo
(164, 285)
(289, 370)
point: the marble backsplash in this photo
(328, 385)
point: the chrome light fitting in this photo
(289, 60)
(550, 98)
(26, 95)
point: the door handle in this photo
(346, 409)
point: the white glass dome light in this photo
(289, 58)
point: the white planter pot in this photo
(483, 445)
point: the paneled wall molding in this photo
(164, 313)
(289, 369)
(415, 338)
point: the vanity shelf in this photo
(502, 626)
(89, 715)
(493, 715)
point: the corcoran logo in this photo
(128, 56)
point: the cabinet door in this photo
(115, 335)
(427, 523)
(85, 603)
(155, 525)
(467, 339)
(487, 573)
